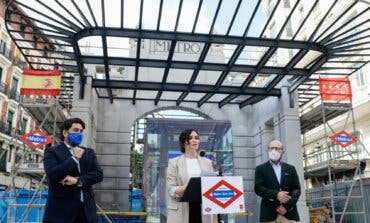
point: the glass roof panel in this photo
(251, 55)
(122, 93)
(243, 17)
(121, 47)
(85, 10)
(91, 45)
(218, 56)
(155, 49)
(96, 8)
(169, 14)
(150, 14)
(96, 70)
(281, 57)
(131, 14)
(261, 80)
(151, 74)
(187, 51)
(179, 76)
(194, 96)
(126, 73)
(313, 20)
(170, 95)
(240, 98)
(206, 16)
(207, 77)
(113, 16)
(225, 15)
(187, 17)
(308, 58)
(144, 94)
(217, 97)
(235, 79)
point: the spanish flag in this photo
(40, 82)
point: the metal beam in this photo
(189, 65)
(198, 88)
(189, 37)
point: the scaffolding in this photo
(334, 165)
(48, 112)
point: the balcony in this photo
(3, 87)
(5, 51)
(19, 63)
(14, 94)
(7, 129)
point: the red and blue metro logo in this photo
(223, 194)
(343, 138)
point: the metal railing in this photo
(19, 63)
(3, 87)
(5, 51)
(14, 94)
(6, 128)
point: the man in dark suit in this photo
(278, 185)
(71, 171)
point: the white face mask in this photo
(274, 155)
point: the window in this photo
(286, 4)
(360, 78)
(24, 125)
(13, 89)
(9, 122)
(289, 30)
(3, 154)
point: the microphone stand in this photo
(220, 174)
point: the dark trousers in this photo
(81, 217)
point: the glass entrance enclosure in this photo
(162, 144)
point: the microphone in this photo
(202, 153)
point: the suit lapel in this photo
(183, 169)
(66, 154)
(283, 171)
(64, 151)
(272, 171)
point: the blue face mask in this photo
(75, 138)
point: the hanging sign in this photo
(36, 139)
(343, 138)
(335, 89)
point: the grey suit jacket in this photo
(177, 175)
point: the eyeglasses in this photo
(276, 148)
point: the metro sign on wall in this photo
(36, 139)
(343, 138)
(221, 195)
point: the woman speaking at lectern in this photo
(179, 172)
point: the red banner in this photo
(335, 89)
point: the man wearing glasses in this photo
(277, 183)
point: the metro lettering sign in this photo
(36, 139)
(343, 138)
(221, 195)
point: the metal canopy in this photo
(262, 45)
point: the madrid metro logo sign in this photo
(36, 139)
(343, 138)
(222, 195)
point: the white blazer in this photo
(177, 175)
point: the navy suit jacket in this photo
(63, 202)
(267, 186)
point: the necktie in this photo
(79, 170)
